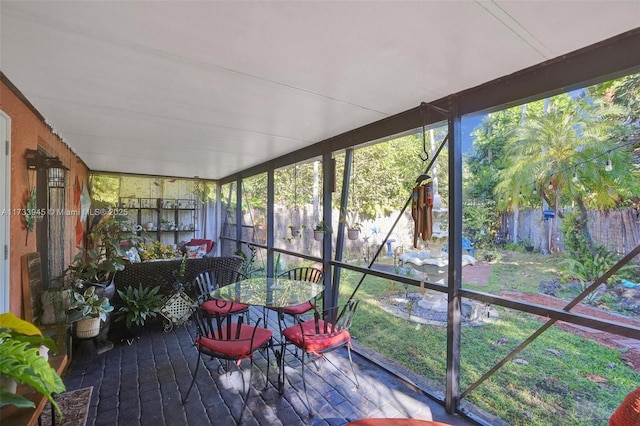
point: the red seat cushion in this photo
(222, 307)
(312, 342)
(298, 309)
(237, 348)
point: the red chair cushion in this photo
(237, 348)
(222, 307)
(312, 342)
(198, 241)
(299, 309)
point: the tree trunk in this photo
(582, 226)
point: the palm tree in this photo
(562, 153)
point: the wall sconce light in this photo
(56, 171)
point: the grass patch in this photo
(519, 271)
(550, 388)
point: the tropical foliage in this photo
(20, 359)
(89, 305)
(570, 150)
(138, 305)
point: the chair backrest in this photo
(219, 336)
(346, 314)
(209, 280)
(310, 274)
(333, 324)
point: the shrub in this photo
(139, 304)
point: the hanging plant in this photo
(30, 213)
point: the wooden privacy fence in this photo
(617, 230)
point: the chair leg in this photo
(266, 380)
(195, 374)
(352, 367)
(246, 397)
(304, 385)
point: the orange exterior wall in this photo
(28, 131)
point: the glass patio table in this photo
(268, 292)
(275, 293)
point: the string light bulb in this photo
(535, 190)
(609, 166)
(575, 176)
(550, 185)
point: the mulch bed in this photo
(631, 357)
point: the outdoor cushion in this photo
(627, 413)
(196, 252)
(200, 241)
(312, 342)
(240, 347)
(298, 309)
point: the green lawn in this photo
(519, 271)
(550, 386)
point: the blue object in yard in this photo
(548, 214)
(466, 245)
(389, 251)
(629, 284)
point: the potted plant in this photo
(137, 305)
(296, 230)
(89, 309)
(108, 243)
(318, 231)
(353, 231)
(21, 361)
(353, 227)
(528, 245)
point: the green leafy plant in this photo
(20, 359)
(156, 250)
(139, 304)
(321, 227)
(583, 265)
(30, 216)
(181, 272)
(89, 305)
(526, 243)
(109, 241)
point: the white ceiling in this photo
(206, 88)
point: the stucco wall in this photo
(28, 131)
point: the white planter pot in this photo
(318, 235)
(9, 383)
(353, 234)
(88, 327)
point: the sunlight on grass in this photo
(549, 387)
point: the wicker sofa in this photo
(162, 273)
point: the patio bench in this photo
(162, 272)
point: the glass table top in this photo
(270, 292)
